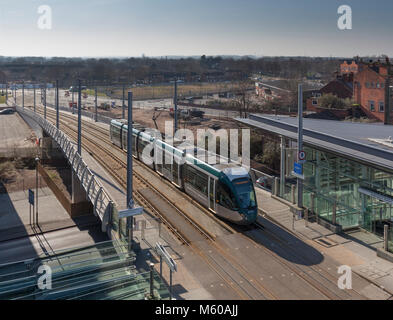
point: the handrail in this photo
(94, 189)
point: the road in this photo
(89, 102)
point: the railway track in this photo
(105, 156)
(230, 274)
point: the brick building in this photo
(371, 90)
(346, 67)
(369, 84)
(341, 86)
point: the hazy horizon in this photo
(159, 28)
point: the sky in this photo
(123, 28)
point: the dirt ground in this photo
(14, 178)
(144, 117)
(62, 178)
(183, 89)
(19, 180)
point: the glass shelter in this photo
(348, 173)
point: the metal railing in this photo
(388, 239)
(267, 182)
(102, 203)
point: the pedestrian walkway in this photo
(111, 187)
(15, 215)
(356, 249)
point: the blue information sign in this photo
(31, 197)
(298, 168)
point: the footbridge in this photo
(104, 206)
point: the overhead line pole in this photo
(73, 91)
(300, 143)
(57, 103)
(45, 100)
(34, 97)
(130, 201)
(175, 104)
(129, 153)
(96, 102)
(23, 94)
(123, 116)
(79, 118)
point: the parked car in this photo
(7, 111)
(264, 183)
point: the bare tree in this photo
(243, 98)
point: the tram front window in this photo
(245, 193)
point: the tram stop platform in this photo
(355, 248)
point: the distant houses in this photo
(368, 84)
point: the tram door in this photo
(212, 194)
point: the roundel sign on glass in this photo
(302, 156)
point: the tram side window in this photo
(115, 132)
(225, 196)
(175, 172)
(159, 157)
(167, 160)
(197, 179)
(133, 144)
(142, 145)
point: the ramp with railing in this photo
(103, 205)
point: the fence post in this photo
(334, 212)
(312, 196)
(170, 284)
(293, 221)
(276, 186)
(143, 227)
(385, 237)
(306, 217)
(293, 190)
(161, 266)
(151, 280)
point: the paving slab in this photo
(15, 212)
(356, 248)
